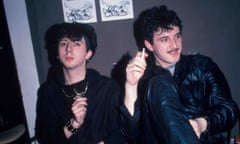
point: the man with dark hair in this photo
(169, 97)
(76, 105)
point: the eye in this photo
(164, 39)
(178, 36)
(63, 43)
(77, 43)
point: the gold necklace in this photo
(76, 94)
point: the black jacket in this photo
(165, 103)
(54, 110)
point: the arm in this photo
(115, 136)
(216, 104)
(79, 112)
(134, 71)
(224, 111)
(49, 129)
(165, 113)
(130, 110)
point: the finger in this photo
(136, 66)
(78, 106)
(80, 100)
(138, 61)
(135, 69)
(80, 114)
(143, 53)
(138, 55)
(81, 109)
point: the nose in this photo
(69, 47)
(173, 43)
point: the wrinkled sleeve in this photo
(166, 113)
(48, 128)
(130, 124)
(116, 136)
(224, 112)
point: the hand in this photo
(135, 69)
(101, 142)
(199, 125)
(79, 111)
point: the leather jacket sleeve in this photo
(166, 114)
(130, 125)
(204, 92)
(223, 112)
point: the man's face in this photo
(73, 54)
(166, 47)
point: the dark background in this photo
(210, 27)
(11, 103)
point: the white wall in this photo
(20, 36)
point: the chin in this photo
(177, 58)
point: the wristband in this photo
(70, 127)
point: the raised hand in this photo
(79, 110)
(135, 68)
(134, 71)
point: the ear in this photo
(89, 54)
(148, 45)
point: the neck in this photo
(74, 76)
(171, 69)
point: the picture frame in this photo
(83, 11)
(116, 9)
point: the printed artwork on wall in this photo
(83, 11)
(116, 9)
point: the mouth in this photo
(69, 58)
(174, 51)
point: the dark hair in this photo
(150, 20)
(73, 31)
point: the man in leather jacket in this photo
(169, 97)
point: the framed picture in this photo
(116, 9)
(83, 11)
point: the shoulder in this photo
(45, 93)
(45, 86)
(196, 57)
(103, 86)
(49, 84)
(48, 88)
(118, 72)
(97, 79)
(198, 60)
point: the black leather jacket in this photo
(197, 89)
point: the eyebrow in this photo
(179, 33)
(63, 39)
(160, 36)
